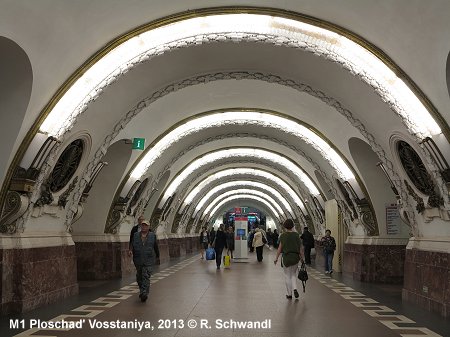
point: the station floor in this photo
(190, 291)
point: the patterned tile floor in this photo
(189, 297)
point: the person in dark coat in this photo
(145, 250)
(136, 228)
(220, 242)
(230, 240)
(275, 238)
(308, 244)
(204, 241)
(212, 235)
(329, 246)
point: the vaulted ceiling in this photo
(306, 93)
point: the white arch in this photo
(241, 171)
(239, 27)
(243, 196)
(239, 152)
(244, 183)
(244, 117)
(242, 191)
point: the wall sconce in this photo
(185, 208)
(94, 176)
(349, 188)
(394, 189)
(154, 190)
(434, 151)
(24, 180)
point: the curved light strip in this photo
(239, 152)
(245, 196)
(241, 191)
(241, 171)
(244, 183)
(244, 118)
(238, 27)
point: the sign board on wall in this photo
(393, 220)
(138, 143)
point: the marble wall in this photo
(427, 280)
(375, 263)
(102, 260)
(109, 260)
(36, 276)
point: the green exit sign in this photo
(138, 143)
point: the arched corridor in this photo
(180, 116)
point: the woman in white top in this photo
(258, 243)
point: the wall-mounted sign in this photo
(138, 143)
(393, 220)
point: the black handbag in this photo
(303, 275)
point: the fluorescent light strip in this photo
(254, 184)
(244, 196)
(236, 153)
(243, 171)
(245, 191)
(238, 27)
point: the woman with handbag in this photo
(290, 248)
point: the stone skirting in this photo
(109, 260)
(375, 263)
(102, 260)
(427, 280)
(34, 277)
(181, 246)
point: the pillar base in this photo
(375, 262)
(33, 277)
(103, 260)
(427, 280)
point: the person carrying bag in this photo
(290, 246)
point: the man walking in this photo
(329, 246)
(308, 244)
(136, 228)
(145, 250)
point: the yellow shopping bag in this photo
(226, 261)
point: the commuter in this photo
(250, 240)
(290, 248)
(308, 244)
(275, 238)
(269, 237)
(220, 242)
(329, 246)
(204, 241)
(230, 241)
(145, 250)
(212, 235)
(136, 228)
(258, 243)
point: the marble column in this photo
(35, 276)
(102, 257)
(427, 275)
(375, 263)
